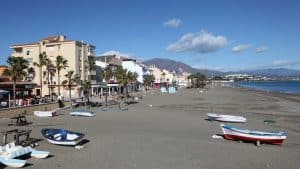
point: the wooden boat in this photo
(62, 136)
(226, 118)
(10, 151)
(86, 113)
(233, 133)
(44, 113)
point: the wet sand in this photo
(165, 131)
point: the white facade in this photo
(133, 66)
(101, 64)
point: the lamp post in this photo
(51, 69)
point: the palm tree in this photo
(132, 77)
(17, 71)
(107, 74)
(124, 77)
(71, 79)
(43, 61)
(197, 80)
(148, 80)
(90, 65)
(30, 74)
(61, 63)
(86, 87)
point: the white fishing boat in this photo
(226, 118)
(10, 151)
(44, 113)
(62, 136)
(16, 163)
(233, 133)
(80, 112)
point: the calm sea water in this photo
(275, 86)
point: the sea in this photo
(273, 86)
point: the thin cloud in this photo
(117, 53)
(282, 63)
(200, 42)
(173, 23)
(261, 49)
(240, 48)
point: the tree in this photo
(124, 77)
(43, 61)
(17, 71)
(132, 77)
(86, 87)
(90, 65)
(61, 63)
(107, 73)
(71, 79)
(148, 80)
(30, 74)
(197, 80)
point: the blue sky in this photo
(221, 35)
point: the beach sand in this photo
(165, 131)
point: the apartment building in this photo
(113, 61)
(76, 52)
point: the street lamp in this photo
(51, 69)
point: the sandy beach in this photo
(165, 131)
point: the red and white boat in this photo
(233, 133)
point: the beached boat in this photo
(44, 113)
(62, 136)
(226, 118)
(10, 151)
(16, 163)
(233, 133)
(81, 112)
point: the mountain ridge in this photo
(179, 67)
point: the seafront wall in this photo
(11, 112)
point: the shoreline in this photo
(284, 95)
(237, 84)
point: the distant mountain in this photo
(178, 67)
(275, 72)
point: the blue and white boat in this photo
(62, 136)
(10, 151)
(226, 118)
(233, 133)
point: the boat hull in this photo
(85, 113)
(226, 118)
(44, 113)
(253, 136)
(56, 136)
(65, 143)
(16, 163)
(39, 154)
